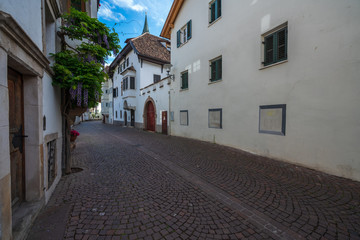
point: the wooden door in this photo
(132, 123)
(164, 122)
(16, 137)
(150, 114)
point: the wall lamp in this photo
(168, 68)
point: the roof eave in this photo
(169, 23)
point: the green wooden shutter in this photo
(213, 71)
(269, 50)
(219, 69)
(178, 38)
(189, 29)
(218, 9)
(281, 45)
(212, 12)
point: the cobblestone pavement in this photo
(142, 185)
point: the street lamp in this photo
(168, 68)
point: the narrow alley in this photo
(141, 185)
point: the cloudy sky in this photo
(127, 17)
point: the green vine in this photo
(79, 67)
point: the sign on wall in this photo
(272, 119)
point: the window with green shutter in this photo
(275, 47)
(216, 69)
(132, 82)
(184, 34)
(185, 80)
(214, 10)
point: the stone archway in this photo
(149, 115)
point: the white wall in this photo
(319, 82)
(28, 16)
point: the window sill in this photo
(274, 64)
(182, 44)
(182, 90)
(216, 81)
(212, 23)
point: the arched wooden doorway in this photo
(150, 116)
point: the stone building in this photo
(31, 120)
(274, 78)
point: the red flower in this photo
(74, 133)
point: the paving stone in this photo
(141, 185)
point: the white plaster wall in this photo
(319, 83)
(147, 73)
(161, 98)
(51, 106)
(28, 16)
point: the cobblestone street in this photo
(142, 185)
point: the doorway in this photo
(16, 137)
(150, 116)
(132, 123)
(164, 122)
(125, 118)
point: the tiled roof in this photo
(150, 46)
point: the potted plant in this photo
(73, 135)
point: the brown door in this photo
(150, 116)
(16, 121)
(164, 122)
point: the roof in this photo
(169, 23)
(148, 47)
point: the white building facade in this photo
(31, 119)
(107, 101)
(140, 96)
(281, 82)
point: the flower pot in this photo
(73, 138)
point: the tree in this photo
(79, 67)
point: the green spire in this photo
(146, 27)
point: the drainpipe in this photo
(170, 111)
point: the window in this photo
(115, 114)
(127, 62)
(185, 80)
(119, 70)
(216, 69)
(184, 34)
(184, 117)
(120, 113)
(272, 119)
(275, 46)
(214, 10)
(125, 82)
(115, 92)
(156, 78)
(51, 148)
(132, 82)
(77, 4)
(215, 118)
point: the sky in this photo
(127, 17)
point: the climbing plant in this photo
(79, 66)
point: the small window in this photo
(120, 113)
(184, 34)
(214, 10)
(275, 46)
(125, 82)
(156, 78)
(215, 118)
(77, 4)
(216, 69)
(115, 92)
(118, 69)
(184, 117)
(127, 62)
(185, 80)
(116, 114)
(132, 82)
